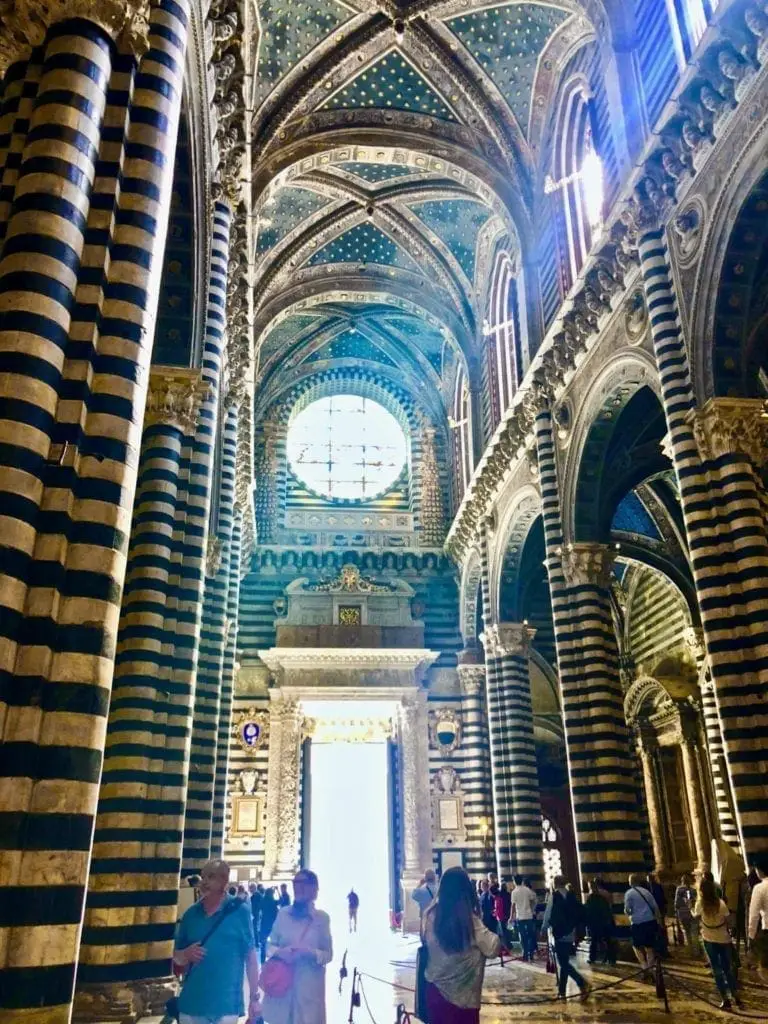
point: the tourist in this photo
(601, 926)
(643, 913)
(301, 938)
(215, 945)
(284, 899)
(758, 916)
(486, 906)
(563, 918)
(257, 898)
(353, 905)
(458, 944)
(523, 913)
(656, 889)
(685, 900)
(501, 909)
(269, 909)
(425, 891)
(712, 913)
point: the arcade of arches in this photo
(375, 373)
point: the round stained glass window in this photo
(345, 447)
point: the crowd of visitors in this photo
(463, 924)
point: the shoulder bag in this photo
(172, 1011)
(276, 977)
(659, 945)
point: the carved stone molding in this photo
(432, 511)
(174, 399)
(588, 565)
(213, 555)
(24, 23)
(732, 426)
(507, 638)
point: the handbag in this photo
(276, 977)
(172, 1012)
(422, 959)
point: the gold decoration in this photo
(250, 729)
(349, 581)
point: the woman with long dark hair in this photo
(458, 944)
(714, 918)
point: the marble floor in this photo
(517, 991)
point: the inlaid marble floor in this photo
(519, 991)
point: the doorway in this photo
(348, 842)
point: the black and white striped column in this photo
(513, 754)
(717, 453)
(477, 781)
(600, 764)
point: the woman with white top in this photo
(713, 916)
(458, 944)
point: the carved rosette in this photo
(174, 399)
(503, 639)
(25, 23)
(588, 565)
(731, 426)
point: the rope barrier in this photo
(735, 1012)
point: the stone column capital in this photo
(471, 678)
(731, 426)
(588, 565)
(26, 23)
(174, 398)
(507, 638)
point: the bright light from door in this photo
(349, 831)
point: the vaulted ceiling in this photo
(394, 151)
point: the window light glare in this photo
(592, 184)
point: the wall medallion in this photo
(250, 729)
(445, 730)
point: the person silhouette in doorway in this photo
(353, 903)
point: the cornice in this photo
(674, 156)
(293, 659)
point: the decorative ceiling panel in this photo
(290, 29)
(393, 83)
(375, 173)
(284, 334)
(457, 223)
(350, 345)
(506, 41)
(284, 212)
(364, 243)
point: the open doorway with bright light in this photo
(347, 823)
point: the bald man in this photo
(215, 960)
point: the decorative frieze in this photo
(732, 426)
(174, 398)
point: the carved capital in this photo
(174, 399)
(25, 23)
(588, 565)
(213, 555)
(507, 638)
(731, 426)
(471, 679)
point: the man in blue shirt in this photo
(212, 992)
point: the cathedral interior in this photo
(387, 377)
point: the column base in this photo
(121, 1002)
(411, 915)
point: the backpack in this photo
(566, 915)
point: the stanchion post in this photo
(661, 987)
(353, 1002)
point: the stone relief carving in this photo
(730, 426)
(174, 399)
(588, 565)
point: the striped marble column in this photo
(133, 884)
(67, 487)
(220, 809)
(476, 774)
(717, 452)
(601, 767)
(513, 753)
